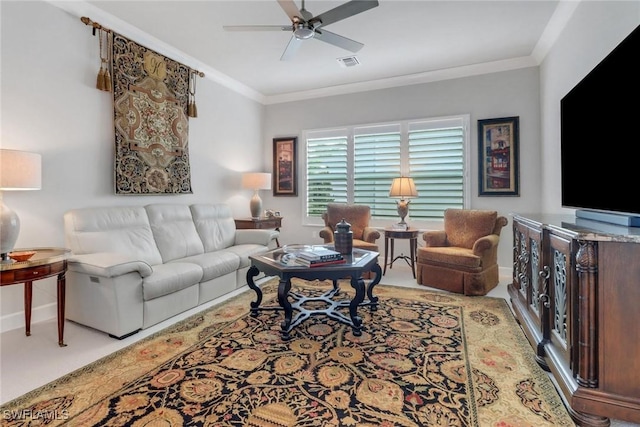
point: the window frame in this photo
(404, 126)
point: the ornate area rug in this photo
(424, 359)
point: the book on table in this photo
(318, 263)
(320, 254)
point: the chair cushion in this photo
(465, 226)
(454, 257)
(361, 244)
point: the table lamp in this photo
(403, 188)
(256, 181)
(19, 170)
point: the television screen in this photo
(600, 134)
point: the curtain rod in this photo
(97, 26)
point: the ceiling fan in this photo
(305, 26)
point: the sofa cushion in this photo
(465, 226)
(244, 251)
(169, 278)
(215, 225)
(174, 231)
(214, 264)
(124, 230)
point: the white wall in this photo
(504, 94)
(50, 106)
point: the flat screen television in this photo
(600, 136)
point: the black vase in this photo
(343, 238)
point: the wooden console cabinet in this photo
(576, 294)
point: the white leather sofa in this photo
(132, 267)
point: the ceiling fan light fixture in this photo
(302, 32)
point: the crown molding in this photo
(558, 21)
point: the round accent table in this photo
(390, 234)
(46, 262)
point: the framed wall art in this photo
(498, 163)
(285, 167)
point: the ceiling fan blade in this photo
(343, 11)
(257, 27)
(337, 40)
(290, 8)
(291, 49)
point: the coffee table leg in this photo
(251, 273)
(357, 283)
(283, 292)
(373, 300)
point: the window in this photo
(357, 164)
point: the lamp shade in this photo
(20, 170)
(403, 188)
(256, 180)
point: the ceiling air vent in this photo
(348, 61)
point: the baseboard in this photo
(38, 314)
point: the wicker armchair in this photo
(462, 258)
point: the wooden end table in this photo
(46, 262)
(273, 223)
(390, 234)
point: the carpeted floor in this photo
(424, 359)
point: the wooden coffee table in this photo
(361, 261)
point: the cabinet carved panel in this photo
(575, 293)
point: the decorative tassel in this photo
(192, 110)
(100, 79)
(103, 81)
(107, 80)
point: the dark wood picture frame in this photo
(498, 157)
(285, 166)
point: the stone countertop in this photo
(585, 228)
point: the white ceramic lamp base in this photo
(255, 206)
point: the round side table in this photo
(390, 234)
(46, 262)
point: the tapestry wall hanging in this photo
(151, 100)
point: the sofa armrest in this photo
(108, 264)
(370, 234)
(483, 244)
(435, 238)
(256, 236)
(327, 234)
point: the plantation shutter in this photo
(357, 165)
(326, 170)
(436, 164)
(377, 161)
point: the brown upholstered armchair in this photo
(364, 237)
(463, 257)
